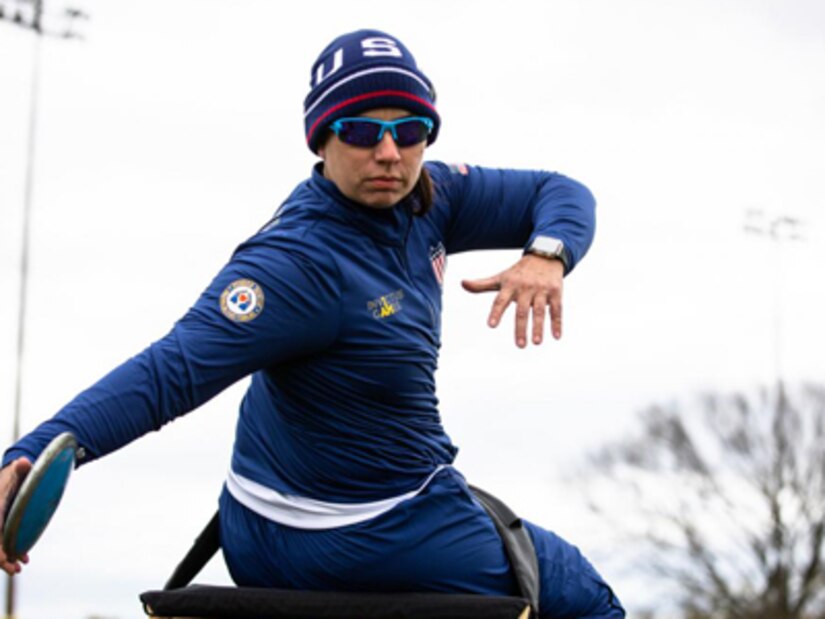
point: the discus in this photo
(39, 496)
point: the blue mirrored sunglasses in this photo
(367, 132)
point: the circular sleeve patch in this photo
(242, 300)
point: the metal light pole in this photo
(31, 19)
(778, 229)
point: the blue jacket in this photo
(343, 339)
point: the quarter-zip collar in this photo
(388, 226)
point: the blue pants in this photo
(440, 540)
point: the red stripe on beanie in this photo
(369, 95)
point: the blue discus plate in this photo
(39, 496)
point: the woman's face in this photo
(379, 176)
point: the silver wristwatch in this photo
(549, 247)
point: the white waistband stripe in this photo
(303, 513)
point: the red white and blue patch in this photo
(459, 168)
(438, 258)
(242, 300)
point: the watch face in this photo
(548, 245)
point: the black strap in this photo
(204, 548)
(517, 543)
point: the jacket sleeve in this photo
(214, 345)
(486, 208)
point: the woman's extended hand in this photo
(534, 284)
(11, 476)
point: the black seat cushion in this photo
(252, 603)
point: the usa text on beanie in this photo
(360, 71)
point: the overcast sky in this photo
(174, 130)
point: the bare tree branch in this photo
(743, 535)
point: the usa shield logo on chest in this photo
(438, 259)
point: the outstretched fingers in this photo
(534, 285)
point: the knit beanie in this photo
(361, 71)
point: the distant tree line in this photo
(723, 502)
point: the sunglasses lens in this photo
(411, 132)
(358, 133)
(365, 133)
